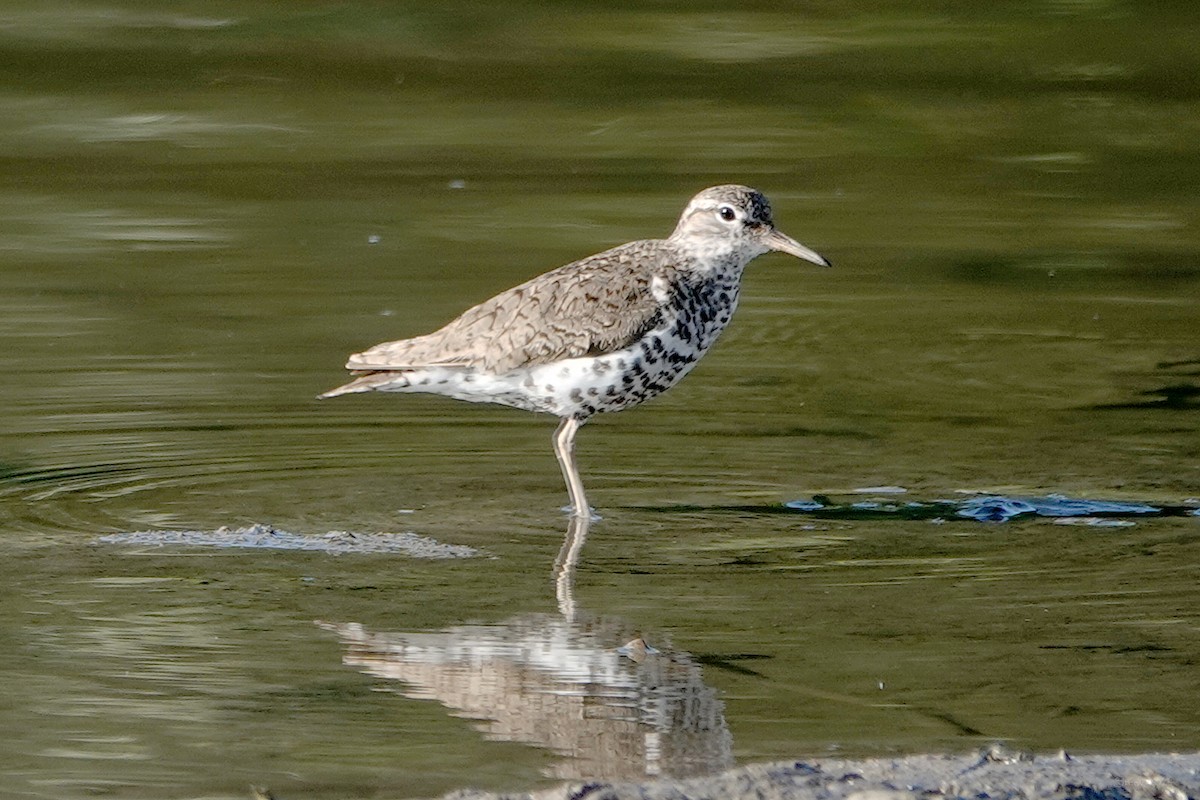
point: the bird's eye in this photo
(727, 213)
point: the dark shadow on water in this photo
(728, 662)
(1182, 397)
(584, 686)
(1174, 389)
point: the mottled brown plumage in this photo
(600, 334)
(589, 307)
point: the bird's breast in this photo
(689, 323)
(699, 310)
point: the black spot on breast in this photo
(576, 396)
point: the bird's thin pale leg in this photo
(564, 448)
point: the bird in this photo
(598, 335)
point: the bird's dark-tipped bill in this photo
(786, 244)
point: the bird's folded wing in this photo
(591, 307)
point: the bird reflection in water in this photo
(584, 686)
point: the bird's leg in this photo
(564, 448)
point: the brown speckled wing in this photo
(589, 307)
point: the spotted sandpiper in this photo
(601, 334)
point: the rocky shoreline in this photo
(993, 775)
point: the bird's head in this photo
(737, 220)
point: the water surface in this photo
(205, 208)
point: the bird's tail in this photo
(367, 383)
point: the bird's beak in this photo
(786, 244)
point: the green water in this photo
(204, 208)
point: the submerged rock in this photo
(990, 508)
(995, 509)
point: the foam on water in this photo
(269, 538)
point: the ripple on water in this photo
(46, 225)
